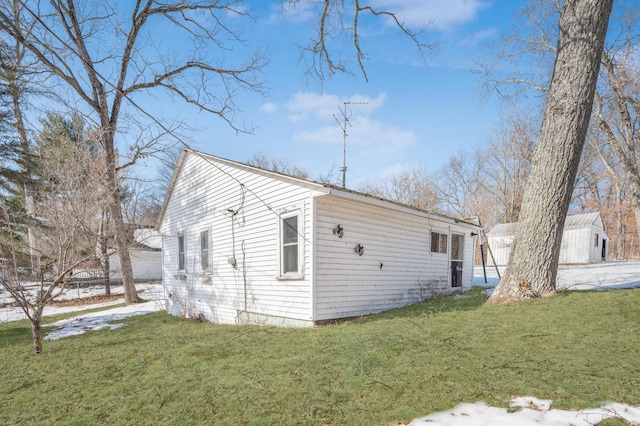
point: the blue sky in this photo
(416, 113)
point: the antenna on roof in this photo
(343, 126)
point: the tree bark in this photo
(29, 193)
(533, 264)
(103, 240)
(36, 331)
(120, 230)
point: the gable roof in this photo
(582, 220)
(322, 187)
(503, 229)
(573, 221)
(147, 239)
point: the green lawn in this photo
(579, 349)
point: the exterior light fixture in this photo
(339, 231)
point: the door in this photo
(457, 251)
(604, 250)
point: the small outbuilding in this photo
(245, 245)
(145, 247)
(584, 240)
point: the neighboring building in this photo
(584, 240)
(246, 245)
(146, 256)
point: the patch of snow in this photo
(7, 313)
(533, 412)
(599, 276)
(101, 320)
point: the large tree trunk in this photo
(103, 241)
(36, 331)
(29, 193)
(533, 265)
(621, 242)
(120, 230)
(635, 203)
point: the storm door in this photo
(457, 250)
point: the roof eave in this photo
(381, 202)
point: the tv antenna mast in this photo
(345, 123)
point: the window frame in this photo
(299, 272)
(460, 245)
(182, 251)
(441, 244)
(205, 252)
(597, 240)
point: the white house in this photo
(145, 254)
(245, 245)
(584, 240)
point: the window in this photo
(181, 254)
(597, 240)
(438, 242)
(457, 246)
(204, 251)
(289, 250)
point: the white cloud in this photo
(478, 37)
(304, 105)
(321, 135)
(370, 137)
(380, 137)
(442, 15)
(297, 12)
(395, 170)
(269, 108)
(374, 137)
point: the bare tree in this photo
(340, 20)
(168, 162)
(278, 165)
(458, 184)
(533, 264)
(601, 185)
(68, 38)
(411, 187)
(68, 204)
(31, 300)
(526, 53)
(523, 61)
(16, 73)
(616, 113)
(504, 165)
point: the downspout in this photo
(162, 274)
(314, 283)
(244, 275)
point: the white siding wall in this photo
(595, 252)
(578, 246)
(146, 265)
(202, 198)
(350, 285)
(501, 249)
(575, 246)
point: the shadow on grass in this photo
(15, 333)
(469, 300)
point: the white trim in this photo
(282, 215)
(208, 270)
(461, 259)
(314, 266)
(183, 236)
